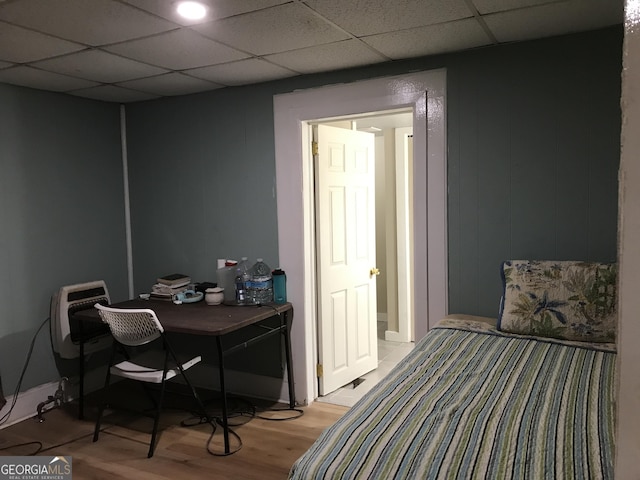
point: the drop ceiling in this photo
(133, 50)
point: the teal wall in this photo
(61, 216)
(533, 150)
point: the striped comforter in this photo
(476, 405)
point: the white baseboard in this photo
(205, 376)
(393, 336)
(27, 403)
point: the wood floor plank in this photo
(268, 451)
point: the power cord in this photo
(6, 416)
(249, 412)
(195, 421)
(17, 445)
(40, 445)
(297, 414)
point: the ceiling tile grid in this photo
(34, 78)
(431, 39)
(369, 17)
(98, 66)
(327, 57)
(242, 72)
(134, 50)
(217, 9)
(273, 30)
(170, 84)
(177, 50)
(20, 45)
(555, 18)
(91, 22)
(113, 93)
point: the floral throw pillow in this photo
(566, 299)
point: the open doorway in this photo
(425, 94)
(358, 345)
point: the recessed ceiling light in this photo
(192, 10)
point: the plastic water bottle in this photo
(261, 283)
(242, 279)
(279, 286)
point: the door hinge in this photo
(319, 370)
(314, 148)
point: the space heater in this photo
(67, 333)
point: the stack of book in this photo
(169, 286)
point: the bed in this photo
(483, 398)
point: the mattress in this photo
(472, 402)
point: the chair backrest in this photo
(131, 326)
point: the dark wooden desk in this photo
(216, 321)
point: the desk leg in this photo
(81, 375)
(223, 393)
(287, 345)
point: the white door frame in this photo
(404, 244)
(425, 93)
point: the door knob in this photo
(374, 271)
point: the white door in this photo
(345, 207)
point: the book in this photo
(159, 288)
(175, 280)
(159, 296)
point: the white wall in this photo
(628, 435)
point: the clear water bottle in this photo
(261, 283)
(242, 279)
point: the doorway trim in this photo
(404, 238)
(425, 94)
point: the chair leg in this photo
(189, 384)
(156, 420)
(195, 395)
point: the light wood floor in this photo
(269, 448)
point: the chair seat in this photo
(148, 367)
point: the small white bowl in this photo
(145, 296)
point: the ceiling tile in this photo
(20, 45)
(65, 40)
(95, 22)
(385, 16)
(216, 8)
(32, 77)
(492, 6)
(252, 70)
(553, 19)
(111, 93)
(179, 49)
(416, 42)
(263, 32)
(99, 66)
(334, 56)
(171, 84)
